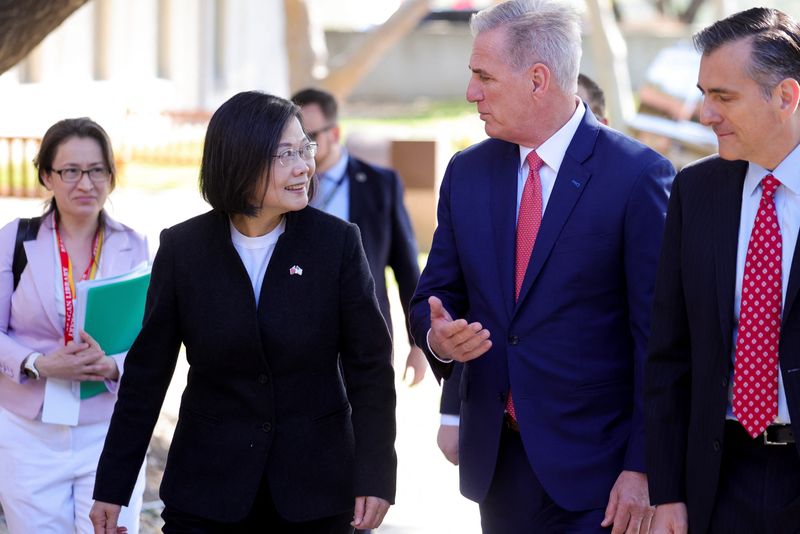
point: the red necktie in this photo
(755, 375)
(528, 222)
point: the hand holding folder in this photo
(111, 311)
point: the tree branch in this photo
(23, 25)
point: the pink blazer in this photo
(30, 322)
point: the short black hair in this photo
(597, 99)
(325, 100)
(775, 39)
(242, 137)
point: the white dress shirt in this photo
(787, 205)
(552, 153)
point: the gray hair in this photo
(545, 31)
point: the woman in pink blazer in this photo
(47, 469)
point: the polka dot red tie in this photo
(528, 222)
(755, 375)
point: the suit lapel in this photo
(278, 269)
(357, 180)
(116, 255)
(571, 181)
(794, 281)
(728, 208)
(503, 201)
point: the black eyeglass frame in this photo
(104, 176)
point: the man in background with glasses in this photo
(372, 198)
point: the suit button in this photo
(263, 379)
(266, 427)
(716, 446)
(513, 340)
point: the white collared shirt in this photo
(787, 205)
(552, 152)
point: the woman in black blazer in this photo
(287, 420)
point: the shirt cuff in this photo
(449, 419)
(428, 341)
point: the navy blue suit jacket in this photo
(572, 348)
(376, 207)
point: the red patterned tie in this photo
(528, 222)
(755, 375)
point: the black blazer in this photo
(689, 363)
(299, 390)
(376, 206)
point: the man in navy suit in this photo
(551, 314)
(447, 437)
(372, 198)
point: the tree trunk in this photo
(688, 16)
(354, 65)
(611, 60)
(24, 24)
(305, 46)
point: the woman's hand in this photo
(369, 512)
(105, 366)
(80, 361)
(104, 518)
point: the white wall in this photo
(116, 58)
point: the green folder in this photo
(114, 308)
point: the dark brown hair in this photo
(66, 129)
(60, 132)
(775, 37)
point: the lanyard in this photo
(67, 279)
(327, 199)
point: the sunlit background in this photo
(152, 71)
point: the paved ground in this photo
(428, 501)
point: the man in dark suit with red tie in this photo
(723, 373)
(540, 278)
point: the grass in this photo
(454, 123)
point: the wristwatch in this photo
(29, 366)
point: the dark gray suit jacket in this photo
(689, 362)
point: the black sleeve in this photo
(668, 369)
(149, 366)
(365, 350)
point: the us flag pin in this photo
(296, 269)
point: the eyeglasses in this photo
(313, 135)
(71, 175)
(290, 155)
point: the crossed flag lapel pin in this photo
(296, 269)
